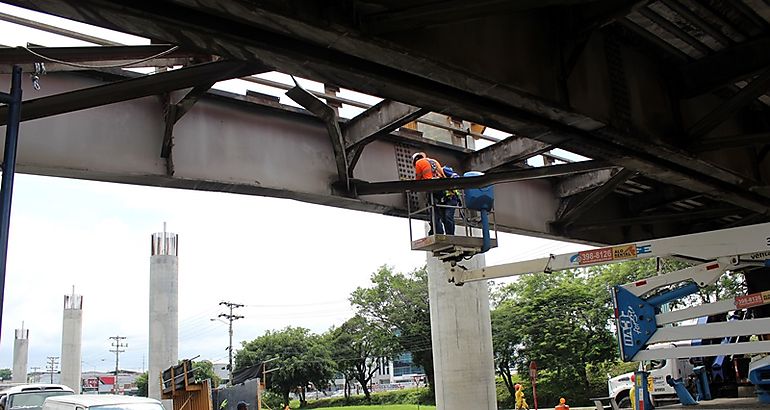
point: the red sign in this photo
(91, 383)
(743, 302)
(595, 255)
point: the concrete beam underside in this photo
(235, 147)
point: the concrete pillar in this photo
(164, 310)
(462, 340)
(20, 354)
(72, 330)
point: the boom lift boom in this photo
(637, 314)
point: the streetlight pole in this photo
(230, 317)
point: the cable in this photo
(53, 60)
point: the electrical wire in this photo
(89, 66)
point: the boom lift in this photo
(638, 317)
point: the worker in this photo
(242, 405)
(450, 201)
(562, 404)
(429, 168)
(521, 402)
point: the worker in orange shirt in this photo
(562, 405)
(429, 168)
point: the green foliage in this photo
(406, 396)
(356, 346)
(204, 369)
(141, 384)
(272, 400)
(399, 302)
(386, 407)
(5, 374)
(301, 357)
(557, 319)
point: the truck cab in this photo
(620, 386)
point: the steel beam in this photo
(56, 30)
(512, 149)
(588, 200)
(451, 12)
(575, 184)
(731, 141)
(391, 187)
(172, 113)
(379, 119)
(758, 86)
(329, 116)
(725, 67)
(13, 101)
(679, 217)
(132, 88)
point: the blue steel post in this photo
(9, 168)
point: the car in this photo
(101, 402)
(30, 396)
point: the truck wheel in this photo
(625, 402)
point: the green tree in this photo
(399, 302)
(204, 369)
(358, 347)
(560, 321)
(141, 384)
(301, 358)
(5, 374)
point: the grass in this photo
(384, 407)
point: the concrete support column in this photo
(72, 330)
(462, 340)
(20, 354)
(164, 310)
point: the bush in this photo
(272, 400)
(420, 395)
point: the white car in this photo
(30, 396)
(101, 402)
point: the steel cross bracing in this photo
(638, 320)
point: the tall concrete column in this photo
(164, 309)
(72, 330)
(462, 340)
(20, 354)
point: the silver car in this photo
(101, 402)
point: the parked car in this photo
(30, 396)
(101, 402)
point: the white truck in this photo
(620, 386)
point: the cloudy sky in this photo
(290, 263)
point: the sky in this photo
(290, 263)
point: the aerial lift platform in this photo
(476, 210)
(639, 319)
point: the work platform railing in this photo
(450, 247)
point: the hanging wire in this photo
(69, 63)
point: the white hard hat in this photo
(417, 155)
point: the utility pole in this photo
(117, 344)
(230, 317)
(53, 361)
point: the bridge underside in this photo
(668, 97)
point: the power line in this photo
(230, 317)
(117, 344)
(53, 361)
